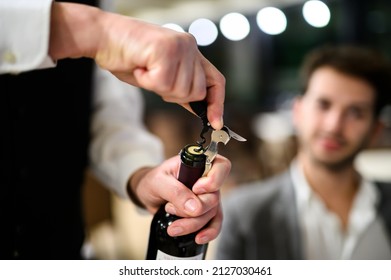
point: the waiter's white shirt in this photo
(323, 237)
(120, 142)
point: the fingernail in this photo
(176, 231)
(190, 205)
(218, 124)
(203, 240)
(170, 209)
(221, 122)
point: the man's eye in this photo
(355, 113)
(322, 104)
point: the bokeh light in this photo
(174, 26)
(234, 26)
(316, 13)
(271, 20)
(204, 31)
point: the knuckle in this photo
(221, 79)
(190, 38)
(228, 165)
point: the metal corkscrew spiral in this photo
(199, 107)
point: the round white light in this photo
(271, 20)
(234, 26)
(174, 26)
(204, 31)
(316, 13)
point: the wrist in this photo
(133, 185)
(74, 30)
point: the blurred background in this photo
(258, 45)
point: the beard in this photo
(335, 163)
(334, 166)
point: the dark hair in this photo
(361, 62)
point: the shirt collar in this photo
(302, 189)
(367, 196)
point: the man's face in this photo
(334, 119)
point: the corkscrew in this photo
(218, 136)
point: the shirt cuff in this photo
(25, 31)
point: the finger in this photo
(159, 63)
(127, 77)
(183, 81)
(215, 94)
(212, 230)
(159, 78)
(152, 194)
(198, 84)
(184, 203)
(215, 178)
(189, 225)
(189, 84)
(207, 191)
(208, 202)
(215, 97)
(175, 193)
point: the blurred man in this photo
(321, 208)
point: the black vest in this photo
(44, 120)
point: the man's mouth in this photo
(331, 144)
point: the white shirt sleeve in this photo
(120, 144)
(25, 31)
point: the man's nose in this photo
(334, 121)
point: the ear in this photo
(296, 110)
(377, 130)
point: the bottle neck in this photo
(192, 165)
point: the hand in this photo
(156, 186)
(155, 58)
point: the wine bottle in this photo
(163, 246)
